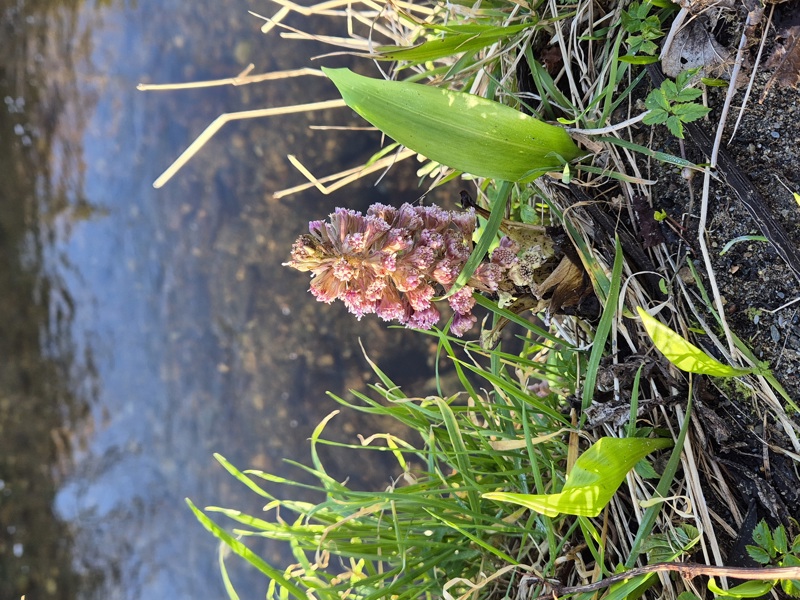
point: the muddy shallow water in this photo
(143, 330)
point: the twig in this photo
(712, 280)
(609, 128)
(217, 124)
(242, 78)
(752, 75)
(677, 23)
(687, 570)
(342, 178)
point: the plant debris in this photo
(695, 47)
(785, 58)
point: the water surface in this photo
(143, 330)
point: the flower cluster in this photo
(393, 261)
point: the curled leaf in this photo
(682, 354)
(594, 479)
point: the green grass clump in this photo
(437, 527)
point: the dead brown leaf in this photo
(785, 59)
(565, 286)
(694, 47)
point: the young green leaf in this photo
(780, 540)
(656, 116)
(758, 554)
(594, 479)
(690, 112)
(670, 89)
(657, 99)
(675, 126)
(791, 586)
(751, 589)
(763, 537)
(687, 95)
(462, 131)
(682, 354)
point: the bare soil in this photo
(737, 431)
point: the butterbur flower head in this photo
(424, 319)
(505, 255)
(393, 261)
(488, 276)
(462, 301)
(462, 324)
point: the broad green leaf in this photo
(688, 94)
(682, 354)
(657, 99)
(780, 540)
(455, 43)
(593, 481)
(763, 537)
(758, 554)
(670, 89)
(751, 589)
(690, 112)
(462, 131)
(656, 116)
(675, 126)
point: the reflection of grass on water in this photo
(522, 475)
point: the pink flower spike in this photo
(326, 288)
(420, 298)
(446, 271)
(357, 304)
(504, 257)
(391, 309)
(488, 275)
(462, 324)
(423, 319)
(462, 301)
(343, 270)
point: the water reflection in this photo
(142, 331)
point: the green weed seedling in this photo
(672, 104)
(773, 548)
(644, 29)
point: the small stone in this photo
(775, 135)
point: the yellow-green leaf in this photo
(462, 131)
(682, 354)
(594, 479)
(750, 589)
